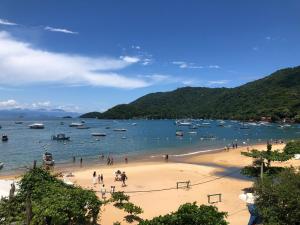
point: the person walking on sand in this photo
(108, 160)
(123, 179)
(126, 160)
(94, 178)
(101, 178)
(103, 191)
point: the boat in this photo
(192, 132)
(179, 133)
(60, 137)
(133, 124)
(184, 124)
(37, 126)
(75, 124)
(4, 137)
(193, 127)
(0, 126)
(120, 129)
(107, 127)
(82, 127)
(1, 165)
(48, 159)
(18, 122)
(98, 134)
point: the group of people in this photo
(120, 176)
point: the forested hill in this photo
(276, 96)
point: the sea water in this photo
(142, 138)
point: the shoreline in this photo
(134, 160)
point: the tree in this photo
(118, 198)
(190, 214)
(51, 202)
(262, 161)
(278, 198)
(292, 148)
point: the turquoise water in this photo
(146, 138)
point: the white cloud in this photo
(186, 65)
(130, 59)
(11, 103)
(255, 48)
(136, 47)
(6, 22)
(218, 81)
(62, 30)
(22, 64)
(214, 67)
(268, 38)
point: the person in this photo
(254, 216)
(101, 178)
(94, 178)
(111, 161)
(112, 189)
(123, 179)
(102, 156)
(12, 190)
(167, 157)
(126, 160)
(108, 160)
(74, 159)
(81, 161)
(103, 191)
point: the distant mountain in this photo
(276, 96)
(35, 113)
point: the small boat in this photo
(192, 132)
(120, 129)
(60, 137)
(76, 124)
(82, 127)
(184, 124)
(107, 127)
(82, 121)
(18, 122)
(4, 137)
(1, 165)
(179, 133)
(98, 134)
(37, 126)
(133, 124)
(48, 159)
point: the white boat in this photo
(133, 124)
(76, 124)
(98, 134)
(120, 129)
(179, 133)
(192, 132)
(60, 137)
(1, 165)
(37, 126)
(18, 122)
(184, 124)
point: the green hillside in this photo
(276, 96)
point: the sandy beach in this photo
(152, 185)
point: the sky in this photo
(91, 55)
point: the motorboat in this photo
(133, 124)
(98, 134)
(60, 137)
(18, 122)
(76, 124)
(1, 165)
(120, 129)
(179, 133)
(48, 159)
(37, 126)
(4, 137)
(184, 124)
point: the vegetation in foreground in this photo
(275, 97)
(278, 201)
(43, 200)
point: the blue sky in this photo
(91, 55)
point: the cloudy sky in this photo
(91, 55)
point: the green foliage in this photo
(292, 148)
(118, 198)
(276, 96)
(278, 200)
(264, 158)
(52, 200)
(190, 214)
(117, 223)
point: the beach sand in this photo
(210, 173)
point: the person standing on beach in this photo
(94, 178)
(111, 161)
(103, 191)
(81, 161)
(123, 179)
(126, 160)
(74, 159)
(101, 178)
(108, 160)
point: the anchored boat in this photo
(37, 126)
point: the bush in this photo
(278, 200)
(292, 148)
(190, 214)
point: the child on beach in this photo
(123, 179)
